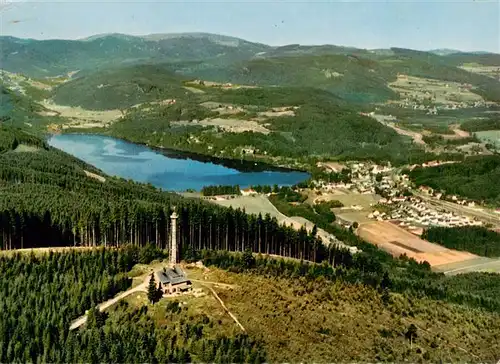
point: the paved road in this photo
(480, 264)
(484, 215)
(80, 321)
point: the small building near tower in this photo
(173, 280)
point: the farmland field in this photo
(398, 241)
(443, 92)
(490, 136)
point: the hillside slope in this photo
(120, 88)
(43, 58)
(355, 78)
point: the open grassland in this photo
(78, 117)
(490, 136)
(442, 92)
(259, 204)
(398, 241)
(228, 125)
(350, 200)
(489, 71)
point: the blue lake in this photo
(167, 170)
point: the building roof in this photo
(172, 276)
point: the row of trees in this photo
(220, 190)
(474, 239)
(47, 200)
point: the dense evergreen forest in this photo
(474, 239)
(475, 178)
(47, 199)
(42, 294)
(492, 123)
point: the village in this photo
(371, 193)
(394, 197)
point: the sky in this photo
(468, 25)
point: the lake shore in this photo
(169, 169)
(242, 164)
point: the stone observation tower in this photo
(173, 238)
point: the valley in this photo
(320, 203)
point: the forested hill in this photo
(120, 88)
(49, 58)
(356, 74)
(476, 178)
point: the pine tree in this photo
(411, 334)
(159, 292)
(248, 259)
(152, 291)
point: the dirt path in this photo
(226, 309)
(458, 133)
(83, 319)
(385, 120)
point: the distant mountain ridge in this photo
(47, 58)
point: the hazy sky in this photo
(465, 25)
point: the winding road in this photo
(83, 319)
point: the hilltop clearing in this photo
(416, 89)
(290, 313)
(49, 198)
(281, 122)
(227, 125)
(77, 117)
(355, 78)
(325, 321)
(120, 88)
(489, 71)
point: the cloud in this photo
(5, 5)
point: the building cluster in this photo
(397, 203)
(414, 213)
(452, 198)
(369, 178)
(432, 108)
(430, 164)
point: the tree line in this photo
(475, 239)
(475, 178)
(220, 190)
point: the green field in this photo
(491, 136)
